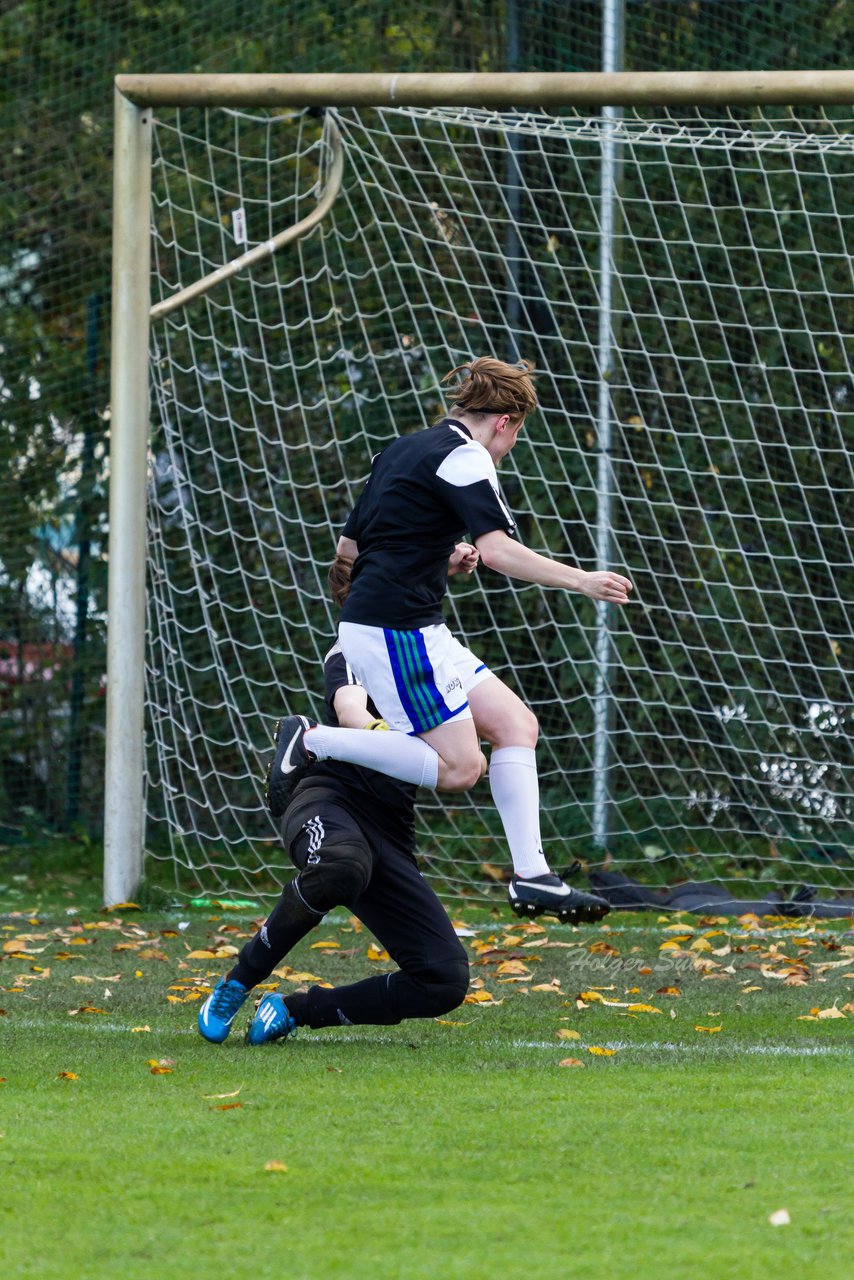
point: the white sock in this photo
(516, 792)
(395, 754)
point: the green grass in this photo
(435, 1149)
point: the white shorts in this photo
(417, 680)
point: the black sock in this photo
(288, 923)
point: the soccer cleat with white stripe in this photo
(548, 895)
(272, 1021)
(290, 762)
(220, 1009)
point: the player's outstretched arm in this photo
(504, 555)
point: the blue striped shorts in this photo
(417, 680)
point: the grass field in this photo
(629, 1100)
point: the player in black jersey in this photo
(424, 492)
(351, 834)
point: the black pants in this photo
(347, 862)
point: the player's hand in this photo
(611, 587)
(463, 559)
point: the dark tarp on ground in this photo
(712, 898)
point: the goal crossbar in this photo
(493, 89)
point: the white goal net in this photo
(683, 283)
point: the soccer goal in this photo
(299, 260)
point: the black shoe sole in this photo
(580, 914)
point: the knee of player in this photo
(461, 775)
(337, 878)
(445, 985)
(528, 728)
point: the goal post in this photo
(280, 356)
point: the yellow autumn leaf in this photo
(553, 987)
(479, 997)
(668, 991)
(275, 1166)
(303, 977)
(600, 1052)
(700, 944)
(590, 995)
(201, 955)
(124, 906)
(160, 1071)
(326, 945)
(710, 1029)
(570, 1062)
(514, 967)
(643, 1008)
(833, 1012)
(85, 1008)
(566, 1033)
(67, 1075)
(375, 952)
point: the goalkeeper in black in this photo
(351, 834)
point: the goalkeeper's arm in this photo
(351, 708)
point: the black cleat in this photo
(548, 895)
(289, 764)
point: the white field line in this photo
(350, 1037)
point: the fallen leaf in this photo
(566, 1034)
(828, 1013)
(668, 991)
(67, 1075)
(590, 995)
(326, 945)
(570, 1062)
(375, 952)
(160, 1071)
(720, 1028)
(85, 1008)
(275, 1166)
(643, 1008)
(446, 1022)
(481, 997)
(600, 1052)
(514, 967)
(228, 1106)
(140, 1029)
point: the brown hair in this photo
(338, 579)
(487, 385)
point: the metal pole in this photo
(83, 534)
(123, 787)
(612, 57)
(513, 196)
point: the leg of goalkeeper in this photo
(405, 916)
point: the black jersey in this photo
(387, 804)
(424, 493)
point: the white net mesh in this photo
(722, 741)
